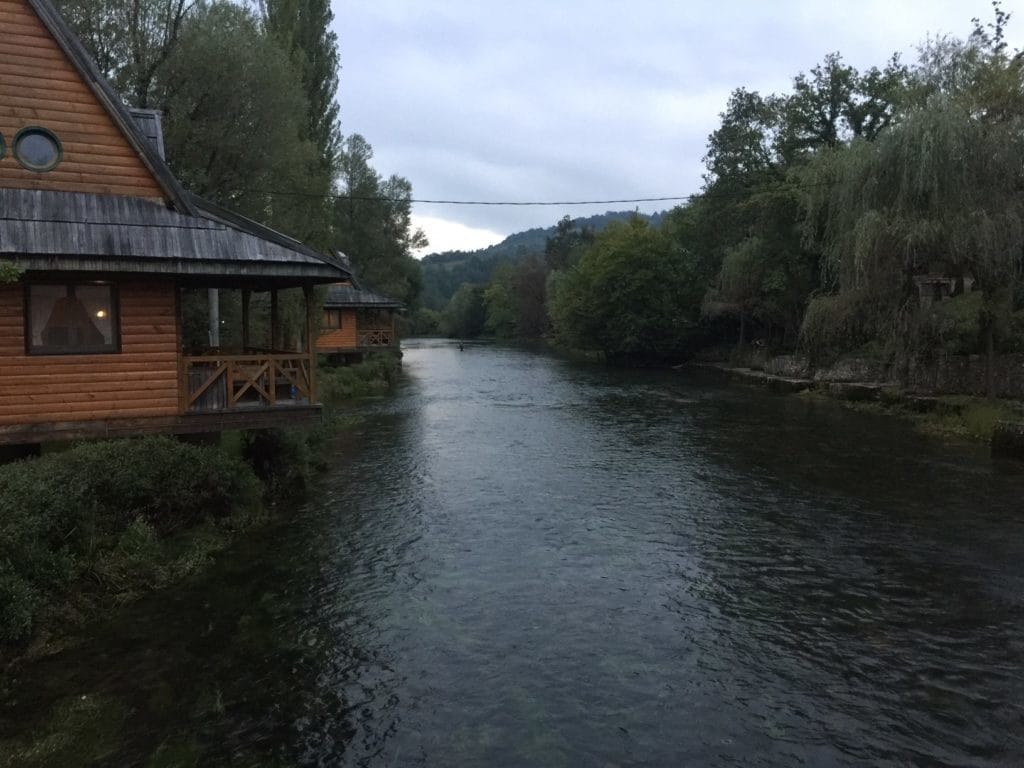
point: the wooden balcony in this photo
(215, 383)
(376, 337)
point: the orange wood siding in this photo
(39, 86)
(339, 338)
(141, 380)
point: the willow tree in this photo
(945, 186)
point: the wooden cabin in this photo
(356, 320)
(98, 244)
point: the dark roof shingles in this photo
(81, 228)
(351, 296)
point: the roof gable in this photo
(48, 80)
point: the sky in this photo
(583, 100)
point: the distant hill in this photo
(444, 272)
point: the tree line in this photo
(251, 121)
(826, 213)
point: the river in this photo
(520, 561)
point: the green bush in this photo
(841, 323)
(378, 372)
(282, 459)
(72, 517)
(950, 327)
(970, 417)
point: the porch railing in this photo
(376, 337)
(219, 382)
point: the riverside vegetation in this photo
(873, 214)
(104, 522)
(89, 528)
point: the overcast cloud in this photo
(576, 100)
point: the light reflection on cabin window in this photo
(72, 319)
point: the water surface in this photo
(519, 561)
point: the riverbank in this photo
(90, 528)
(967, 417)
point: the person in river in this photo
(461, 347)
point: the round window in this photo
(37, 149)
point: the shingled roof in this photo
(354, 295)
(74, 231)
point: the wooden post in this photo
(179, 332)
(246, 295)
(307, 292)
(213, 305)
(275, 321)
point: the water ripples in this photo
(517, 561)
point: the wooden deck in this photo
(216, 393)
(282, 415)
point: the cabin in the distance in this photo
(356, 320)
(100, 246)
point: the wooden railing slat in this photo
(247, 374)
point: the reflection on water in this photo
(517, 561)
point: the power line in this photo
(734, 192)
(385, 199)
(558, 202)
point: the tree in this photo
(563, 247)
(466, 313)
(372, 223)
(836, 104)
(944, 188)
(303, 29)
(129, 41)
(744, 148)
(530, 285)
(233, 114)
(621, 298)
(501, 305)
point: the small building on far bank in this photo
(356, 320)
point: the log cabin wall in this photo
(340, 338)
(139, 381)
(40, 87)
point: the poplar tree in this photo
(303, 29)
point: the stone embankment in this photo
(919, 387)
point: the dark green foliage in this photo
(77, 519)
(563, 248)
(622, 297)
(951, 327)
(130, 41)
(10, 273)
(303, 29)
(443, 273)
(842, 323)
(234, 119)
(422, 322)
(374, 375)
(466, 314)
(281, 458)
(516, 300)
(373, 224)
